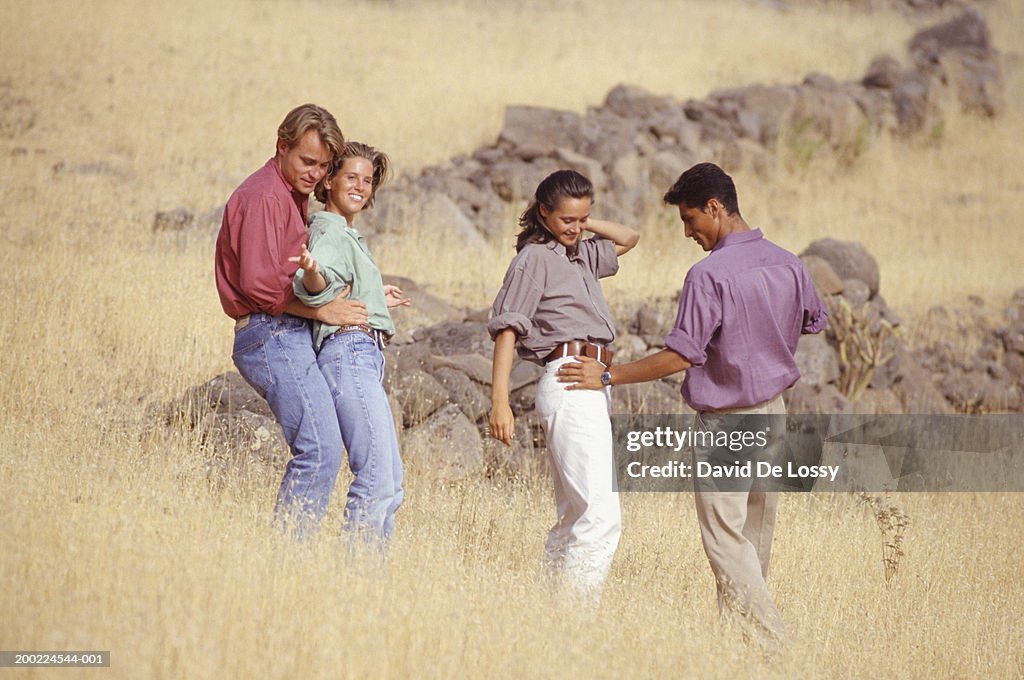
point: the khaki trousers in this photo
(736, 526)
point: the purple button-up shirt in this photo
(741, 312)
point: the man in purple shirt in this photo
(741, 311)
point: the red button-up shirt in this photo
(264, 224)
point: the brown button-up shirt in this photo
(550, 297)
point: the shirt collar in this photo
(556, 245)
(738, 237)
(336, 219)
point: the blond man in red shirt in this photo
(264, 225)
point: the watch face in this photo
(606, 378)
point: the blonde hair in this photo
(302, 119)
(381, 168)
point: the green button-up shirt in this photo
(344, 260)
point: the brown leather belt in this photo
(580, 348)
(379, 336)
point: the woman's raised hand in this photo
(394, 297)
(306, 261)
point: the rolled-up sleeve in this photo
(815, 315)
(334, 254)
(700, 315)
(600, 256)
(516, 303)
(262, 274)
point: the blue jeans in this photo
(353, 365)
(275, 355)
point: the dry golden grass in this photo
(115, 539)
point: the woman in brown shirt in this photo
(551, 308)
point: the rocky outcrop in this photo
(636, 143)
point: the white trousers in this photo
(583, 540)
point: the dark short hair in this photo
(700, 184)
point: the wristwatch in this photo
(606, 378)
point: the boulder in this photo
(226, 393)
(822, 399)
(419, 394)
(874, 401)
(914, 388)
(525, 457)
(630, 101)
(514, 179)
(856, 292)
(979, 392)
(816, 360)
(884, 72)
(178, 219)
(966, 31)
(464, 393)
(586, 166)
(457, 337)
(424, 311)
(447, 445)
(825, 279)
(848, 259)
(540, 131)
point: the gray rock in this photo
(447, 445)
(178, 219)
(226, 393)
(666, 166)
(816, 360)
(523, 373)
(884, 72)
(825, 279)
(541, 128)
(419, 394)
(526, 457)
(630, 101)
(425, 310)
(874, 401)
(586, 166)
(629, 347)
(463, 392)
(822, 399)
(968, 30)
(457, 337)
(474, 366)
(523, 399)
(515, 179)
(913, 103)
(856, 292)
(848, 259)
(979, 392)
(245, 440)
(914, 388)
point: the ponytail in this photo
(556, 186)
